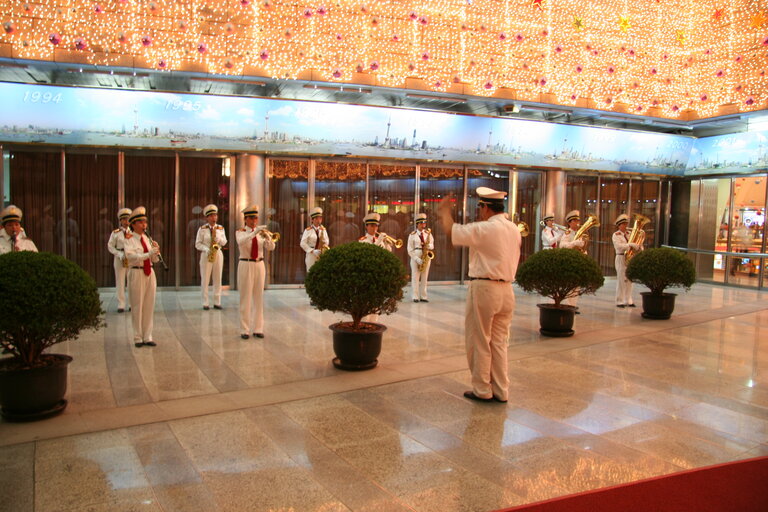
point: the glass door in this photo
(436, 183)
(287, 215)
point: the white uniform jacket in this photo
(203, 238)
(550, 237)
(22, 243)
(379, 239)
(313, 239)
(415, 247)
(116, 243)
(496, 261)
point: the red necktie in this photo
(625, 238)
(317, 242)
(147, 264)
(255, 248)
(421, 237)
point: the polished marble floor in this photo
(206, 421)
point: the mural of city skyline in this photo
(108, 117)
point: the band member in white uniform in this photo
(314, 238)
(116, 246)
(494, 252)
(372, 234)
(573, 221)
(209, 241)
(419, 242)
(551, 234)
(141, 252)
(253, 243)
(621, 244)
(12, 236)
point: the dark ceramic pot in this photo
(658, 307)
(556, 321)
(356, 350)
(34, 393)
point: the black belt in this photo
(489, 279)
(251, 259)
(140, 267)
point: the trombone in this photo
(391, 241)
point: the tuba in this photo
(324, 249)
(391, 241)
(214, 246)
(426, 258)
(637, 236)
(581, 234)
(524, 229)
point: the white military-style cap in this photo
(139, 213)
(315, 212)
(621, 219)
(123, 213)
(210, 209)
(549, 216)
(573, 214)
(490, 196)
(251, 211)
(422, 217)
(11, 213)
(372, 218)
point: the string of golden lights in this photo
(667, 58)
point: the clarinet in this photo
(159, 256)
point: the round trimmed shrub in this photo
(560, 274)
(661, 267)
(45, 299)
(358, 279)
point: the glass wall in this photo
(746, 229)
(287, 215)
(529, 191)
(614, 199)
(391, 192)
(435, 183)
(92, 204)
(35, 187)
(582, 195)
(340, 192)
(201, 182)
(149, 182)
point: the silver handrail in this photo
(705, 251)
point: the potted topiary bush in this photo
(559, 274)
(357, 279)
(658, 269)
(45, 299)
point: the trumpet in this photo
(159, 256)
(426, 258)
(391, 241)
(275, 237)
(554, 225)
(324, 249)
(523, 227)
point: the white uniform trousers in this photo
(490, 307)
(250, 282)
(210, 270)
(141, 290)
(121, 273)
(623, 285)
(310, 259)
(419, 280)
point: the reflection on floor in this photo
(206, 421)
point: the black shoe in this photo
(259, 334)
(472, 396)
(424, 300)
(244, 336)
(577, 312)
(496, 399)
(150, 343)
(217, 307)
(415, 300)
(631, 306)
(206, 308)
(120, 310)
(621, 305)
(139, 344)
(312, 304)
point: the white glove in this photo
(316, 252)
(636, 247)
(419, 261)
(121, 256)
(580, 243)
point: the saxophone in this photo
(127, 235)
(426, 255)
(637, 236)
(214, 250)
(591, 222)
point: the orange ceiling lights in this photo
(672, 58)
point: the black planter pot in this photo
(658, 307)
(35, 393)
(556, 321)
(356, 350)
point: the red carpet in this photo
(740, 486)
